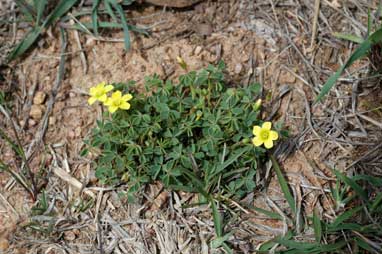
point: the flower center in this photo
(117, 103)
(99, 93)
(264, 134)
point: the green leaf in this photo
(217, 219)
(230, 160)
(25, 43)
(358, 189)
(40, 7)
(284, 186)
(317, 226)
(345, 216)
(349, 37)
(360, 52)
(95, 16)
(26, 9)
(62, 8)
(219, 241)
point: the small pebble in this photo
(39, 98)
(36, 112)
(198, 49)
(69, 236)
(238, 68)
(52, 120)
(4, 245)
(31, 122)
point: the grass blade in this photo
(360, 52)
(343, 217)
(284, 186)
(95, 16)
(358, 189)
(40, 7)
(349, 37)
(25, 44)
(62, 8)
(217, 219)
(317, 226)
(26, 9)
(126, 32)
(230, 160)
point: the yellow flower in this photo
(264, 135)
(98, 92)
(117, 101)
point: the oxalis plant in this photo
(197, 136)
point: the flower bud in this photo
(257, 105)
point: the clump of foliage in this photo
(42, 14)
(192, 136)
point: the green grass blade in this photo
(126, 32)
(217, 219)
(89, 25)
(358, 189)
(95, 16)
(110, 11)
(229, 161)
(25, 44)
(360, 52)
(284, 186)
(317, 226)
(376, 37)
(349, 37)
(271, 215)
(345, 216)
(40, 7)
(377, 203)
(62, 8)
(26, 9)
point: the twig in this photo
(315, 21)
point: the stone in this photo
(39, 98)
(198, 49)
(36, 112)
(4, 245)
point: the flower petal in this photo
(93, 91)
(124, 105)
(268, 144)
(116, 95)
(127, 97)
(274, 135)
(108, 102)
(256, 130)
(267, 125)
(102, 98)
(91, 100)
(257, 141)
(112, 109)
(108, 88)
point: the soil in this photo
(257, 42)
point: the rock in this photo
(197, 50)
(72, 95)
(203, 29)
(31, 122)
(4, 245)
(39, 98)
(36, 112)
(77, 131)
(238, 68)
(52, 120)
(69, 236)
